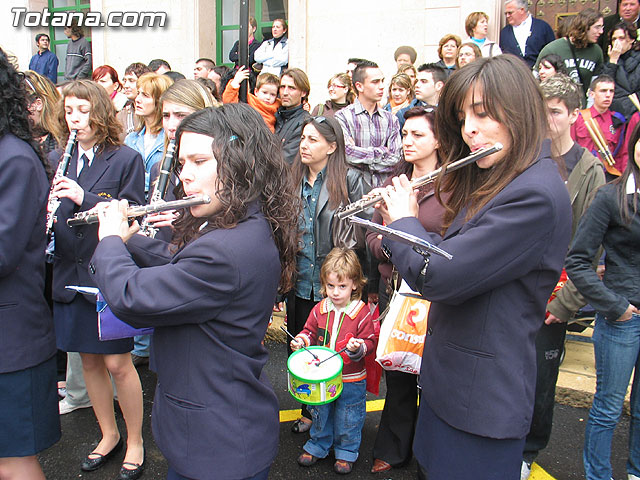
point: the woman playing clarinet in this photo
(507, 224)
(100, 169)
(210, 293)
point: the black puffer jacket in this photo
(289, 129)
(627, 76)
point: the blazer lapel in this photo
(99, 165)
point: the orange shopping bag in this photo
(403, 332)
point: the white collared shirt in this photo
(631, 185)
(522, 33)
(81, 151)
(336, 320)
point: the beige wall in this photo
(20, 41)
(321, 41)
(188, 35)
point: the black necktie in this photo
(85, 167)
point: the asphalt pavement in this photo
(562, 460)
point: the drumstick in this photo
(337, 353)
(305, 348)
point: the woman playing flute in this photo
(507, 224)
(209, 295)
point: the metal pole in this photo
(243, 45)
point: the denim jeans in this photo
(141, 345)
(617, 348)
(339, 424)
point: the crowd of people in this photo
(527, 226)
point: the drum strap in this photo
(324, 344)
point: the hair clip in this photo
(232, 138)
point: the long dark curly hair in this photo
(14, 114)
(251, 168)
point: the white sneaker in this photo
(525, 471)
(65, 407)
(633, 477)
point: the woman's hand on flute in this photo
(114, 220)
(400, 200)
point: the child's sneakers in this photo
(306, 460)
(342, 467)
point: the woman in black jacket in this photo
(622, 66)
(325, 183)
(612, 221)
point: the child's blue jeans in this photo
(339, 424)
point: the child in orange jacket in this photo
(265, 101)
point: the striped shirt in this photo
(372, 141)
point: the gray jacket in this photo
(78, 61)
(586, 177)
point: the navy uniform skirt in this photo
(77, 329)
(29, 417)
(445, 453)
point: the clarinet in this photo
(160, 188)
(54, 202)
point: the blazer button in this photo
(80, 261)
(92, 268)
(80, 235)
(429, 331)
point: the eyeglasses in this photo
(335, 85)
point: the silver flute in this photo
(54, 202)
(371, 199)
(91, 216)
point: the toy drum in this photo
(311, 383)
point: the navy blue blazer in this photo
(215, 414)
(115, 173)
(26, 327)
(541, 34)
(479, 362)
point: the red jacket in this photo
(357, 322)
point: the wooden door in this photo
(554, 12)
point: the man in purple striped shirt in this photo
(371, 134)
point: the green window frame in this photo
(78, 6)
(257, 14)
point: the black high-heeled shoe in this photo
(91, 464)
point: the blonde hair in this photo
(267, 79)
(42, 88)
(154, 85)
(345, 264)
(345, 79)
(472, 21)
(402, 80)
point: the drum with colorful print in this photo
(312, 383)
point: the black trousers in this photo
(549, 346)
(394, 440)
